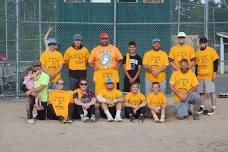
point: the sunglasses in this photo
(60, 83)
(83, 84)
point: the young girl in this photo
(28, 83)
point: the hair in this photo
(131, 43)
(60, 80)
(134, 83)
(83, 79)
(183, 60)
(27, 71)
(203, 40)
(154, 83)
(81, 46)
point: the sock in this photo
(118, 112)
(85, 112)
(155, 117)
(213, 107)
(108, 114)
(81, 115)
(202, 106)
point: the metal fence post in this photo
(114, 22)
(40, 29)
(17, 47)
(178, 26)
(206, 18)
(6, 28)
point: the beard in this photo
(184, 70)
(156, 49)
(203, 48)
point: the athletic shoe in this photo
(93, 118)
(118, 119)
(69, 121)
(182, 118)
(203, 111)
(110, 119)
(31, 121)
(212, 112)
(196, 116)
(141, 118)
(84, 119)
(132, 118)
(162, 120)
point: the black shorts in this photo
(24, 88)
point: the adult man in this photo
(104, 59)
(183, 84)
(155, 62)
(41, 88)
(206, 70)
(52, 61)
(111, 101)
(180, 51)
(76, 58)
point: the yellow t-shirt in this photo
(105, 58)
(110, 95)
(156, 100)
(183, 82)
(51, 61)
(178, 52)
(76, 59)
(156, 60)
(135, 99)
(102, 75)
(60, 100)
(204, 60)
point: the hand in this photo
(52, 76)
(135, 109)
(28, 93)
(95, 68)
(49, 29)
(214, 76)
(157, 110)
(155, 73)
(183, 97)
(131, 80)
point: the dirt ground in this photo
(210, 134)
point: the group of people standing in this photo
(189, 88)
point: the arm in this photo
(191, 64)
(174, 90)
(36, 90)
(126, 73)
(172, 64)
(215, 69)
(129, 105)
(163, 68)
(138, 72)
(78, 102)
(147, 68)
(143, 104)
(193, 89)
(46, 37)
(45, 70)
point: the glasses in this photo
(83, 84)
(60, 83)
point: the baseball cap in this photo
(77, 37)
(51, 41)
(156, 40)
(36, 63)
(203, 40)
(181, 34)
(109, 80)
(104, 36)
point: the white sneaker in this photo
(31, 121)
(110, 119)
(118, 119)
(162, 120)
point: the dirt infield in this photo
(207, 135)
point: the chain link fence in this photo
(124, 22)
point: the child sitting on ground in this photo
(156, 102)
(28, 84)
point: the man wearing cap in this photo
(206, 70)
(180, 51)
(41, 88)
(111, 101)
(104, 59)
(52, 61)
(76, 58)
(155, 63)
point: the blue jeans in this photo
(52, 85)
